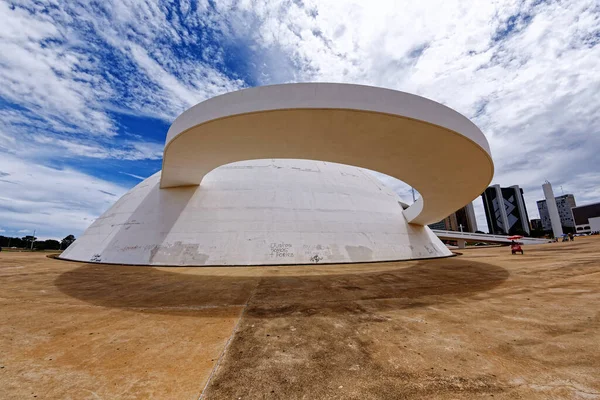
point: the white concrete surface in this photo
(425, 144)
(594, 224)
(258, 212)
(210, 207)
(552, 209)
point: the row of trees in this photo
(25, 243)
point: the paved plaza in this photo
(484, 324)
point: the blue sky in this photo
(89, 89)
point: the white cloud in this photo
(128, 150)
(55, 73)
(524, 71)
(51, 201)
(41, 73)
(141, 178)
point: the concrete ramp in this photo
(463, 237)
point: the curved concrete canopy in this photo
(427, 145)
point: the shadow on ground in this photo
(157, 290)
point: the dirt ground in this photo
(481, 325)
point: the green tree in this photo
(49, 244)
(67, 241)
(6, 241)
(27, 240)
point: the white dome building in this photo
(210, 207)
(259, 212)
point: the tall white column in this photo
(552, 209)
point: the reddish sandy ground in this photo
(482, 325)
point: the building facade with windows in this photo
(587, 218)
(461, 220)
(465, 217)
(536, 224)
(505, 210)
(564, 204)
(441, 225)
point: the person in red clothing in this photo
(515, 248)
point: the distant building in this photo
(505, 210)
(466, 217)
(536, 224)
(587, 218)
(441, 225)
(564, 205)
(450, 223)
(463, 219)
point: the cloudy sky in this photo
(89, 89)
